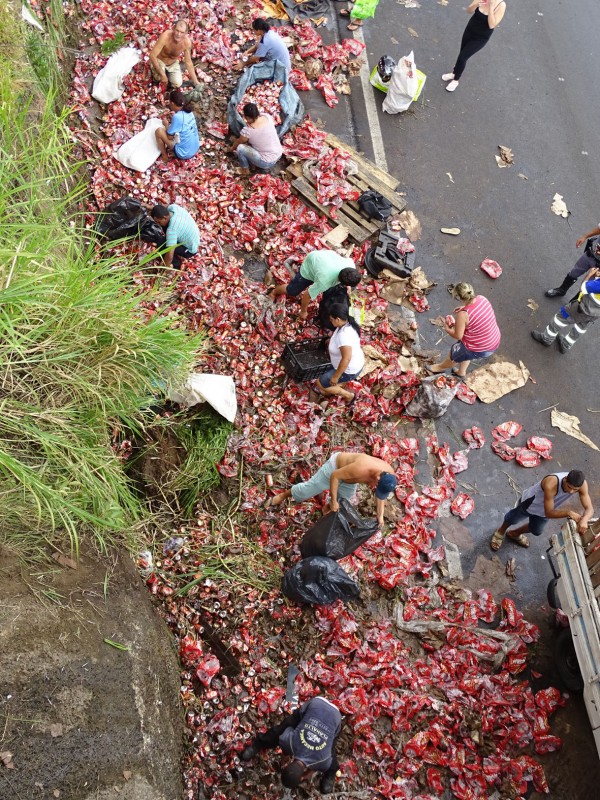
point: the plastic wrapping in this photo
(432, 398)
(292, 110)
(318, 581)
(337, 534)
(126, 218)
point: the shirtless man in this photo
(340, 474)
(165, 55)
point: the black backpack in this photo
(374, 205)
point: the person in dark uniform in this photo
(590, 258)
(309, 735)
(487, 14)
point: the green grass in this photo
(77, 354)
(110, 46)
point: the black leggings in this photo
(470, 44)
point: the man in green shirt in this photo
(182, 233)
(320, 270)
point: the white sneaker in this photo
(449, 76)
(451, 86)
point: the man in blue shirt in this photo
(270, 47)
(182, 233)
(308, 735)
(580, 312)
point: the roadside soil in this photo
(81, 718)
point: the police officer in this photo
(308, 735)
(590, 258)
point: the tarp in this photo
(292, 110)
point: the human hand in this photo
(582, 526)
(333, 380)
(334, 505)
(580, 241)
(574, 516)
(303, 315)
(381, 522)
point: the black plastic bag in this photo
(374, 205)
(318, 581)
(127, 218)
(292, 109)
(333, 296)
(338, 534)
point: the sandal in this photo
(354, 26)
(496, 541)
(344, 12)
(521, 539)
(457, 374)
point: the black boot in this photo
(561, 290)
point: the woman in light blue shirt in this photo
(181, 135)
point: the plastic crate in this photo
(306, 360)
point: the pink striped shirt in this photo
(482, 333)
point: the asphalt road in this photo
(535, 89)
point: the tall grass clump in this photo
(78, 355)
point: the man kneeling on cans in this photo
(308, 735)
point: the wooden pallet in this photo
(349, 216)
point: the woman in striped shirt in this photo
(475, 329)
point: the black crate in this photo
(306, 360)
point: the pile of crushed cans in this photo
(433, 697)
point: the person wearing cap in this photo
(580, 312)
(309, 735)
(542, 502)
(341, 474)
(588, 259)
(475, 329)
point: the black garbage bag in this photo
(292, 110)
(374, 205)
(127, 218)
(318, 581)
(338, 534)
(333, 296)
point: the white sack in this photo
(141, 151)
(216, 390)
(29, 17)
(108, 83)
(403, 85)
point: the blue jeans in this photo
(458, 353)
(320, 482)
(248, 155)
(520, 514)
(325, 379)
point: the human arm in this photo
(240, 140)
(346, 353)
(495, 13)
(155, 53)
(248, 58)
(550, 486)
(471, 8)
(189, 64)
(586, 236)
(460, 325)
(304, 304)
(588, 508)
(327, 784)
(380, 508)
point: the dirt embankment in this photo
(82, 719)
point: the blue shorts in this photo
(325, 379)
(520, 514)
(458, 353)
(297, 285)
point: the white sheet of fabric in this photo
(403, 85)
(216, 390)
(108, 83)
(141, 151)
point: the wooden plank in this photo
(358, 233)
(369, 168)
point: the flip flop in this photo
(457, 374)
(496, 541)
(344, 12)
(521, 539)
(354, 26)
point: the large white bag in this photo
(141, 151)
(403, 85)
(216, 390)
(108, 83)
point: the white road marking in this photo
(372, 117)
